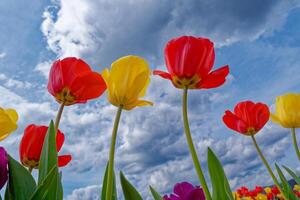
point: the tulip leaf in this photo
(48, 160)
(285, 186)
(21, 184)
(43, 189)
(104, 185)
(220, 185)
(155, 194)
(129, 191)
(293, 174)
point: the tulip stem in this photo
(110, 178)
(30, 170)
(266, 163)
(58, 116)
(192, 147)
(295, 143)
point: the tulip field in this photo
(189, 62)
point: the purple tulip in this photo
(3, 167)
(186, 191)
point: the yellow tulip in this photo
(8, 122)
(261, 197)
(296, 187)
(127, 81)
(287, 112)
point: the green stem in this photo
(295, 143)
(266, 163)
(192, 147)
(58, 116)
(109, 189)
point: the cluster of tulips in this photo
(267, 193)
(189, 62)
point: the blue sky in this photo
(258, 39)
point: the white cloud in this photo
(44, 68)
(88, 193)
(2, 55)
(102, 31)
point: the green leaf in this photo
(104, 185)
(155, 194)
(293, 174)
(43, 189)
(287, 191)
(21, 184)
(220, 185)
(48, 160)
(129, 191)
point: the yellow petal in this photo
(127, 80)
(105, 75)
(287, 110)
(2, 137)
(12, 114)
(137, 104)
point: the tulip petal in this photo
(2, 137)
(163, 74)
(138, 103)
(275, 119)
(12, 114)
(215, 78)
(88, 85)
(261, 116)
(64, 160)
(234, 123)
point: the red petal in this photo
(64, 160)
(163, 74)
(244, 110)
(55, 82)
(72, 67)
(63, 72)
(88, 85)
(234, 123)
(187, 56)
(60, 138)
(262, 115)
(215, 78)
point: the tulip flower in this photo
(248, 118)
(185, 191)
(287, 114)
(32, 144)
(72, 81)
(3, 167)
(189, 61)
(127, 82)
(8, 122)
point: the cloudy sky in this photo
(259, 39)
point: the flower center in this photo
(251, 131)
(190, 83)
(65, 96)
(30, 163)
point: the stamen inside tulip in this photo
(33, 164)
(190, 83)
(251, 131)
(65, 96)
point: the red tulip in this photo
(189, 61)
(71, 81)
(32, 143)
(248, 117)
